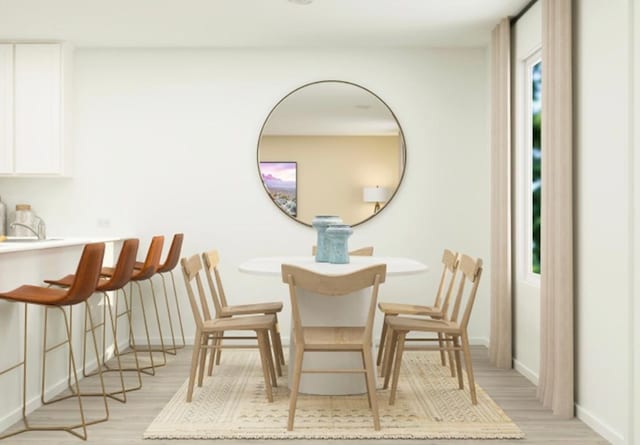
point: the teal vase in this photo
(337, 240)
(321, 223)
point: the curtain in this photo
(556, 384)
(500, 349)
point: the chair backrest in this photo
(211, 260)
(124, 267)
(450, 266)
(333, 285)
(191, 268)
(363, 251)
(86, 276)
(152, 261)
(173, 256)
(471, 272)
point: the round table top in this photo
(272, 265)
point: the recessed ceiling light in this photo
(301, 2)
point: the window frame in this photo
(524, 168)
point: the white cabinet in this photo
(34, 113)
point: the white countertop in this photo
(272, 265)
(51, 243)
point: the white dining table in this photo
(319, 310)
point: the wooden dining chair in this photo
(439, 309)
(332, 339)
(223, 309)
(363, 251)
(455, 329)
(210, 329)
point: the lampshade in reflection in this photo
(375, 194)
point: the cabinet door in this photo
(38, 108)
(6, 108)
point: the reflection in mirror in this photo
(331, 148)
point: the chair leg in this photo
(276, 348)
(371, 387)
(279, 339)
(469, 366)
(441, 347)
(449, 346)
(172, 350)
(456, 345)
(272, 371)
(265, 364)
(152, 366)
(383, 336)
(175, 296)
(218, 352)
(295, 386)
(390, 350)
(195, 356)
(396, 366)
(154, 299)
(204, 341)
(211, 354)
(364, 366)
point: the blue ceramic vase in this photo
(321, 223)
(337, 239)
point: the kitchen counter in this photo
(51, 243)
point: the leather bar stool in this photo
(84, 285)
(148, 269)
(117, 282)
(170, 263)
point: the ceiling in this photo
(255, 23)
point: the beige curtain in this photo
(556, 279)
(500, 341)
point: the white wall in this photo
(165, 141)
(604, 231)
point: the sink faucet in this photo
(40, 233)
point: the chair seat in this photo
(249, 309)
(419, 324)
(409, 309)
(333, 338)
(240, 324)
(66, 281)
(104, 283)
(36, 295)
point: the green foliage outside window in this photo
(536, 156)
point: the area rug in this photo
(232, 405)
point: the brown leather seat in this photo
(80, 289)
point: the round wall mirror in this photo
(331, 148)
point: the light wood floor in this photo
(128, 421)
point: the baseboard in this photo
(530, 375)
(474, 341)
(599, 426)
(479, 341)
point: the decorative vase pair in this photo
(333, 238)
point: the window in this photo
(534, 74)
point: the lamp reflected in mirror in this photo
(375, 194)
